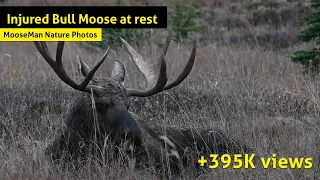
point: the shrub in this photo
(267, 39)
(264, 16)
(233, 22)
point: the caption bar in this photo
(80, 23)
(84, 17)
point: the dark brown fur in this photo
(83, 132)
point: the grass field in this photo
(251, 91)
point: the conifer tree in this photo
(310, 58)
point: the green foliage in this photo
(111, 36)
(309, 58)
(119, 3)
(314, 3)
(184, 21)
(305, 55)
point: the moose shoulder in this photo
(100, 111)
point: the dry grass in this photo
(253, 94)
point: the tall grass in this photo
(253, 94)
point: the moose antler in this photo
(156, 75)
(57, 66)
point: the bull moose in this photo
(100, 111)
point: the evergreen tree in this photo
(184, 21)
(310, 58)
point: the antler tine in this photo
(187, 69)
(60, 47)
(168, 40)
(158, 87)
(46, 56)
(93, 70)
(57, 66)
(45, 49)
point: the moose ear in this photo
(118, 72)
(83, 68)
